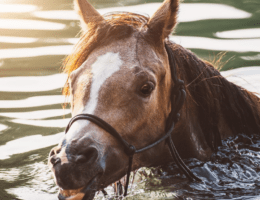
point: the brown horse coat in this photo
(119, 71)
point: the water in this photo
(36, 35)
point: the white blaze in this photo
(104, 67)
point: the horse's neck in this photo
(215, 108)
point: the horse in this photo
(129, 84)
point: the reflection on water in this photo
(33, 83)
(24, 40)
(37, 35)
(245, 72)
(241, 33)
(200, 11)
(11, 175)
(16, 8)
(256, 57)
(41, 114)
(8, 39)
(27, 144)
(26, 24)
(37, 175)
(232, 173)
(30, 193)
(237, 45)
(33, 101)
(3, 127)
(36, 51)
(60, 123)
(57, 14)
(248, 77)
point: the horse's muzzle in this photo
(77, 169)
(84, 193)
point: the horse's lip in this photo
(70, 194)
(87, 191)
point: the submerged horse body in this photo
(120, 72)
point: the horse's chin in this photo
(71, 194)
(87, 192)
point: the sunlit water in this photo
(210, 11)
(16, 8)
(24, 24)
(240, 33)
(36, 36)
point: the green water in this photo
(26, 51)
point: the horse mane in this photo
(216, 97)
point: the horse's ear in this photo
(88, 14)
(164, 20)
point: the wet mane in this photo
(216, 97)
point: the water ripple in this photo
(3, 127)
(240, 33)
(247, 77)
(41, 114)
(32, 83)
(36, 51)
(33, 101)
(255, 57)
(15, 40)
(237, 45)
(26, 24)
(39, 182)
(55, 123)
(230, 174)
(28, 40)
(200, 11)
(27, 144)
(17, 8)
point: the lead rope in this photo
(128, 174)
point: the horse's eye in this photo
(147, 88)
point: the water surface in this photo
(36, 36)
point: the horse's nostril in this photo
(81, 159)
(89, 155)
(52, 153)
(55, 160)
(55, 151)
(58, 151)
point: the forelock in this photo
(116, 26)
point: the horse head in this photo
(119, 72)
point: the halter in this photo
(178, 95)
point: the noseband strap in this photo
(178, 96)
(129, 149)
